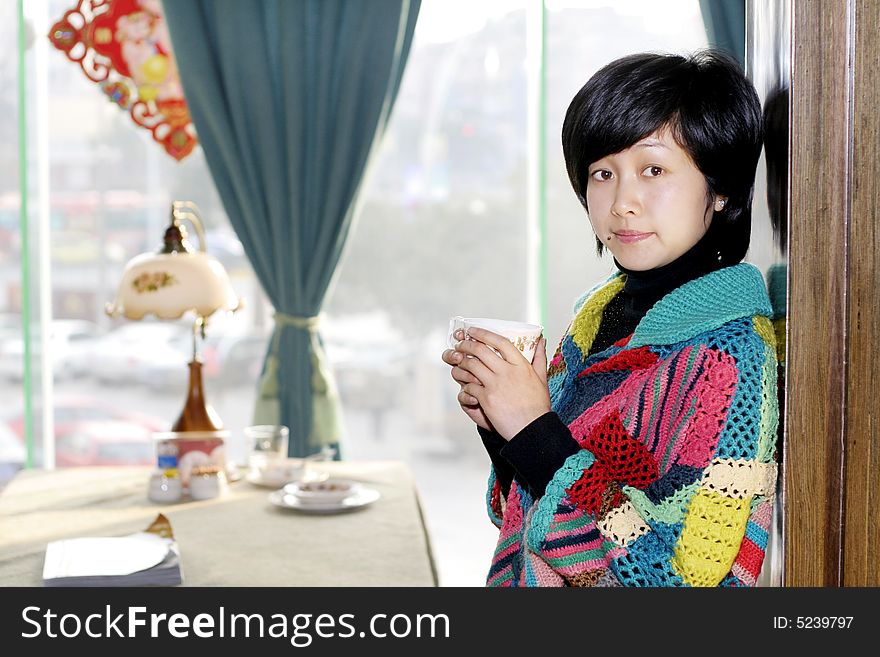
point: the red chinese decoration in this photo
(123, 45)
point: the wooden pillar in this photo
(832, 485)
(861, 536)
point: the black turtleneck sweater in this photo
(534, 455)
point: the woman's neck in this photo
(644, 288)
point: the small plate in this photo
(361, 497)
(325, 491)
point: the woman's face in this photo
(648, 203)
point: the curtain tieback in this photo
(324, 396)
(309, 324)
(269, 380)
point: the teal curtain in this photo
(725, 22)
(289, 99)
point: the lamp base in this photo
(197, 415)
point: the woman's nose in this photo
(626, 199)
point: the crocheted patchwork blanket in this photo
(675, 480)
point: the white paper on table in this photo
(101, 556)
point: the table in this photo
(238, 539)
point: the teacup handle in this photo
(455, 324)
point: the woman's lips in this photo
(628, 237)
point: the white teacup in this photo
(524, 337)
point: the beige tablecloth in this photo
(239, 539)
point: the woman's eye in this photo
(653, 171)
(601, 174)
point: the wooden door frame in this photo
(832, 423)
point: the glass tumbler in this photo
(267, 442)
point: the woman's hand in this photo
(511, 391)
(468, 404)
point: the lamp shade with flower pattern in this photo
(175, 280)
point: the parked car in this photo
(165, 369)
(104, 443)
(87, 432)
(72, 341)
(124, 351)
(236, 360)
(71, 410)
(228, 361)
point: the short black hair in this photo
(776, 154)
(712, 111)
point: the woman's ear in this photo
(720, 202)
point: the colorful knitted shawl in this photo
(675, 480)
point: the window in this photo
(443, 231)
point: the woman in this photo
(644, 454)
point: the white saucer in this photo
(361, 497)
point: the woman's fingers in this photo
(450, 357)
(472, 390)
(539, 362)
(499, 344)
(477, 368)
(453, 357)
(478, 351)
(462, 376)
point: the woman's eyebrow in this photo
(651, 143)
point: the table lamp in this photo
(176, 280)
